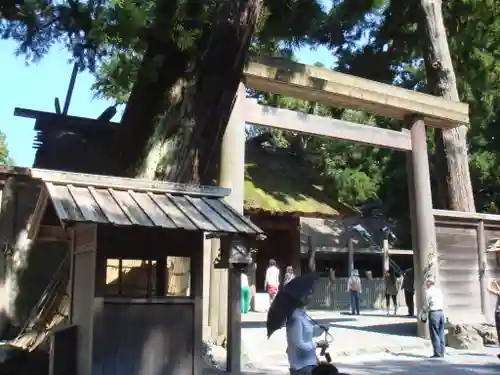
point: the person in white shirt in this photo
(272, 280)
(245, 294)
(434, 305)
(301, 346)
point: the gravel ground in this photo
(370, 344)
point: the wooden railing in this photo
(332, 295)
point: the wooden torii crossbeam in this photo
(315, 84)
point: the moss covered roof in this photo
(279, 182)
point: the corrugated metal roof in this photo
(130, 202)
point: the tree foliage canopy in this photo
(5, 158)
(375, 39)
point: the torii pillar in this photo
(422, 218)
(225, 285)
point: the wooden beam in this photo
(52, 233)
(329, 127)
(482, 266)
(400, 252)
(474, 216)
(37, 215)
(61, 121)
(122, 183)
(288, 78)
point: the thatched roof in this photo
(279, 182)
(276, 181)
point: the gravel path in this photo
(370, 344)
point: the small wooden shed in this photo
(124, 234)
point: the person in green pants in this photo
(245, 294)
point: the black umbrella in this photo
(288, 299)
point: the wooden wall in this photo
(144, 338)
(26, 268)
(459, 269)
(281, 244)
(465, 266)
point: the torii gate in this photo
(324, 86)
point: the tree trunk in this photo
(452, 161)
(178, 109)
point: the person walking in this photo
(434, 309)
(272, 280)
(245, 294)
(289, 275)
(391, 291)
(354, 290)
(494, 289)
(409, 289)
(301, 346)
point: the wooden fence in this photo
(332, 295)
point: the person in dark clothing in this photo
(391, 291)
(409, 289)
(494, 288)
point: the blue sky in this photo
(35, 86)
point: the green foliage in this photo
(5, 158)
(375, 39)
(380, 41)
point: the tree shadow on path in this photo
(429, 366)
(408, 329)
(327, 322)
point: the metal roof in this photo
(131, 202)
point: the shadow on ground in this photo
(327, 322)
(398, 329)
(381, 315)
(390, 367)
(420, 367)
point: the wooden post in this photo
(214, 308)
(481, 249)
(207, 257)
(234, 317)
(425, 249)
(7, 238)
(385, 248)
(414, 240)
(232, 175)
(350, 261)
(311, 255)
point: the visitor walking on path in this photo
(354, 290)
(289, 275)
(272, 280)
(245, 294)
(391, 291)
(409, 289)
(494, 289)
(434, 309)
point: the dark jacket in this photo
(409, 282)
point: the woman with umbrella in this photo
(289, 308)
